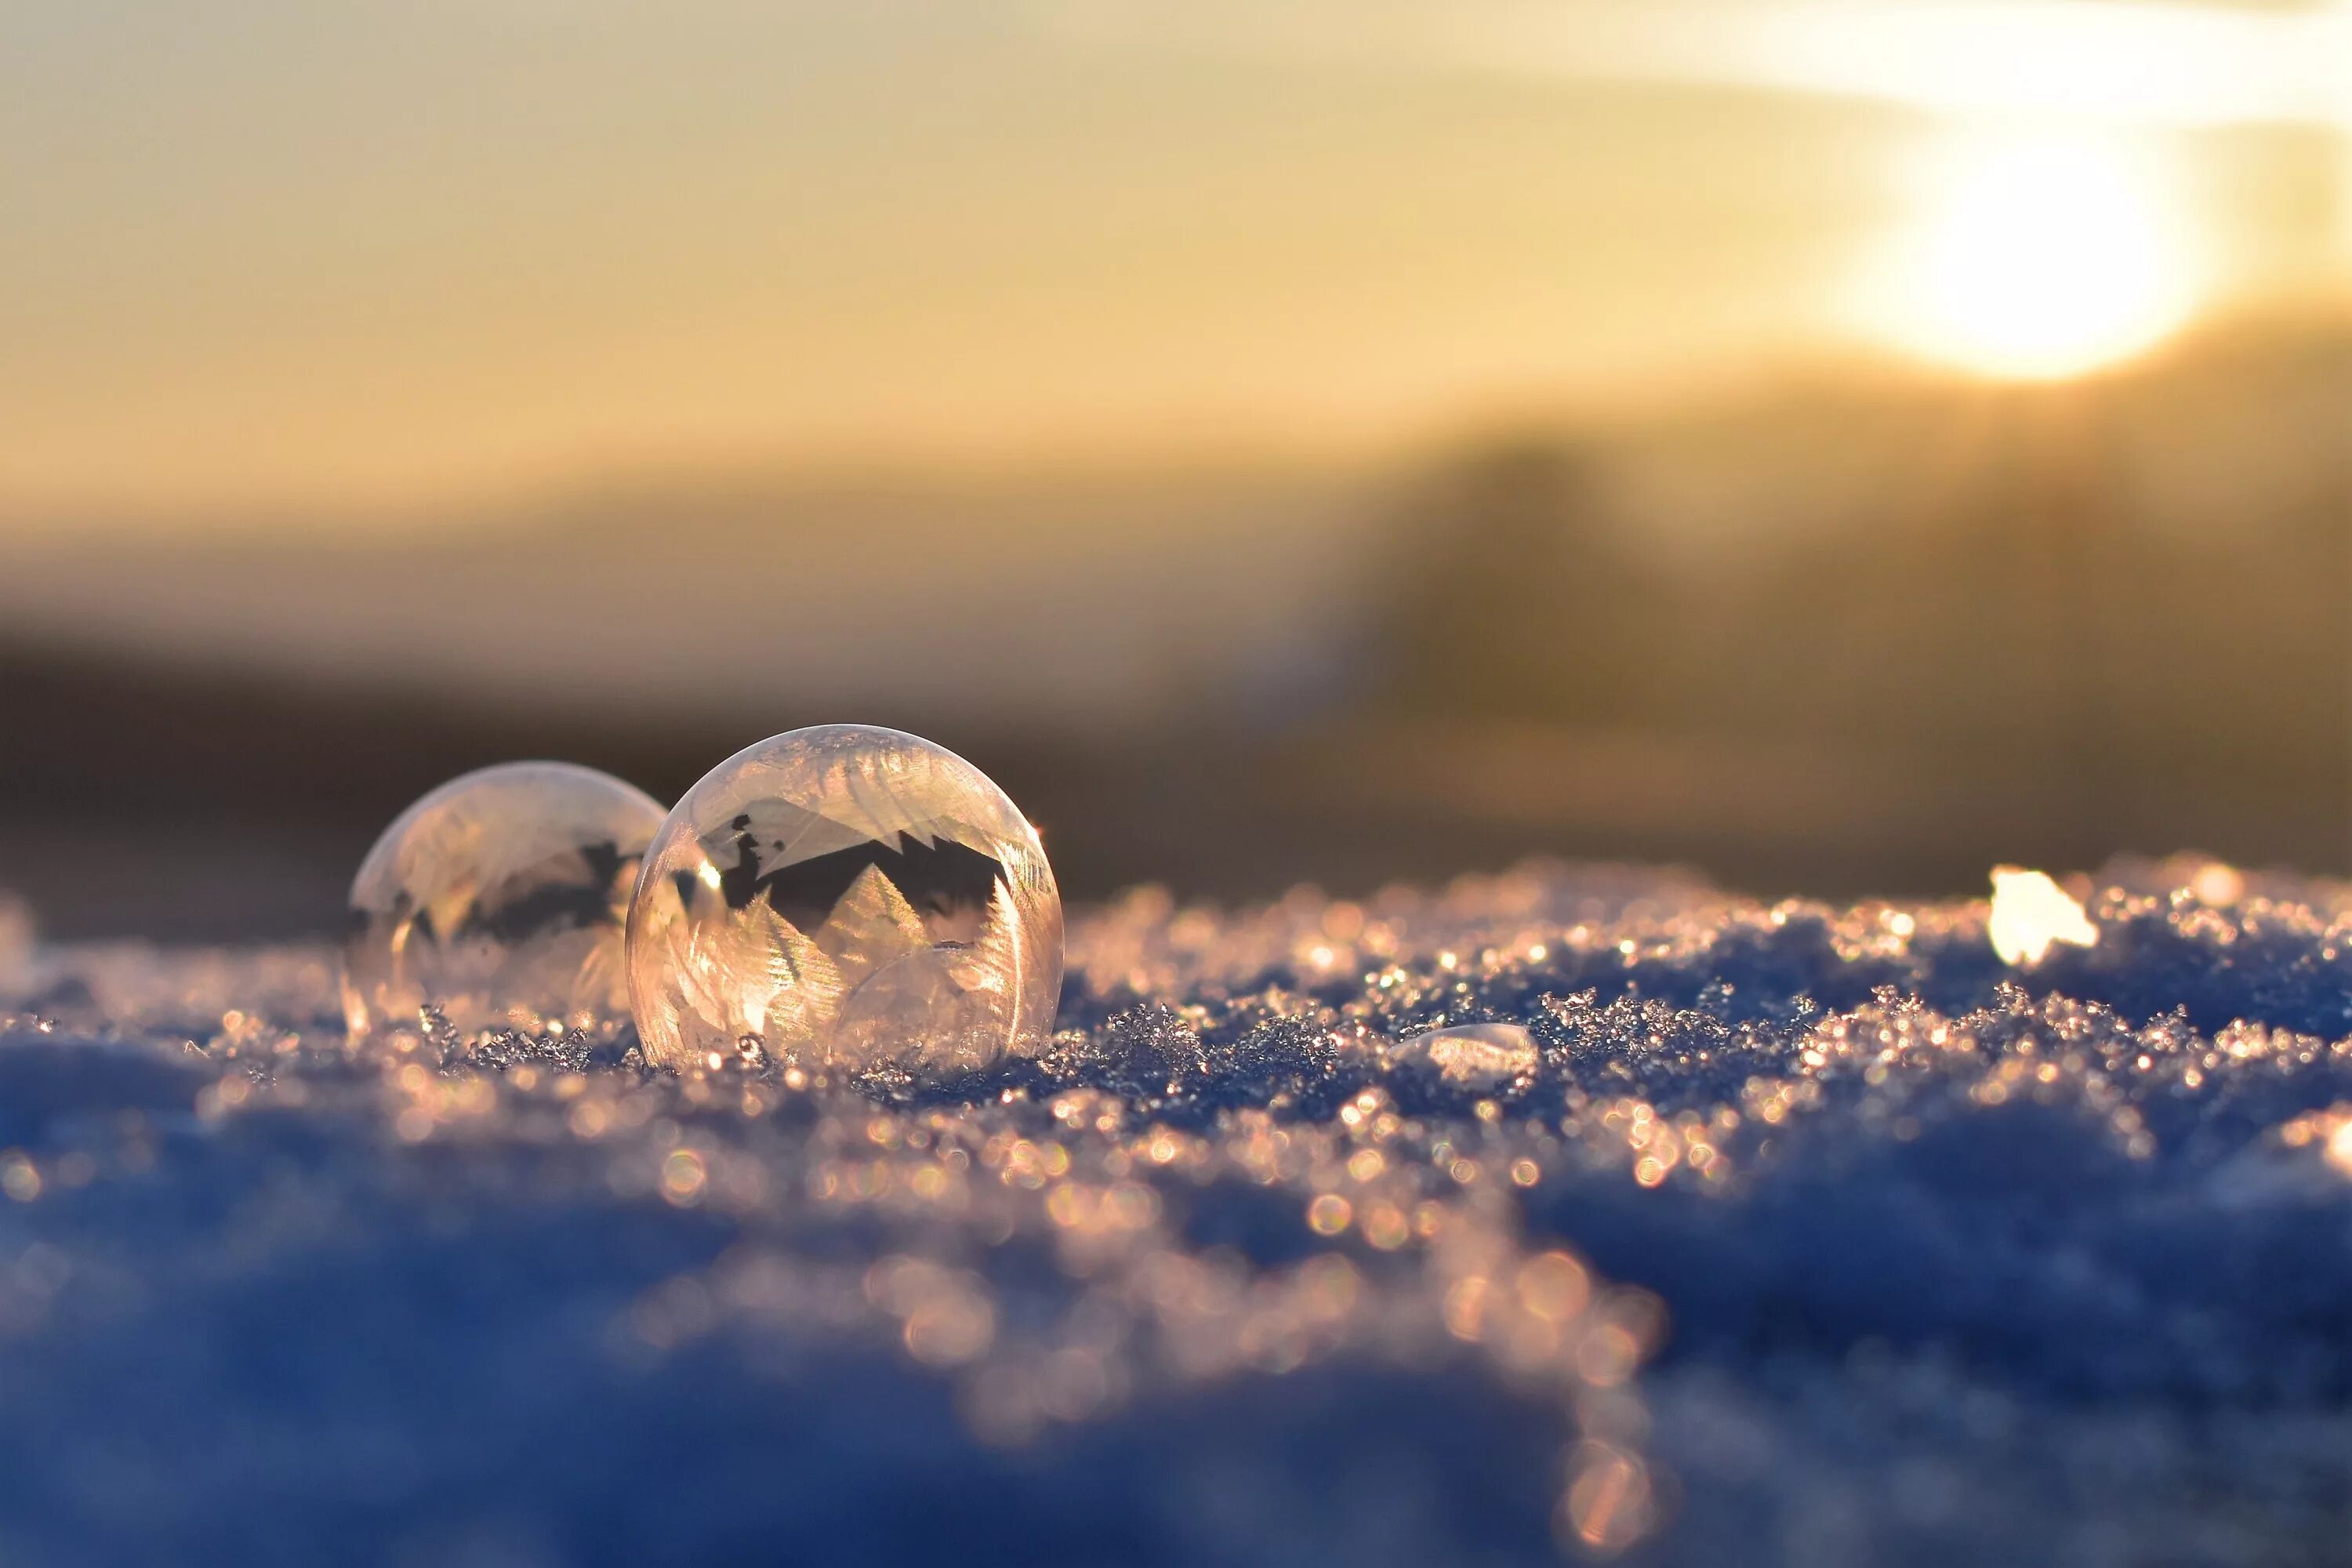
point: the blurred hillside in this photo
(1856, 636)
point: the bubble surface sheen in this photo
(499, 897)
(846, 898)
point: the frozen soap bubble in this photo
(846, 898)
(499, 897)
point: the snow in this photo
(1808, 1234)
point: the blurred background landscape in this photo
(1837, 443)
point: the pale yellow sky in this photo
(271, 254)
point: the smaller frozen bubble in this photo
(499, 897)
(846, 898)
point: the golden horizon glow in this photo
(248, 283)
(2039, 257)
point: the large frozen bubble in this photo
(846, 898)
(499, 897)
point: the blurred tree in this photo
(1511, 594)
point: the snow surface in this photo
(1812, 1235)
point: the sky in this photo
(263, 256)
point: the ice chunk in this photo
(1477, 1056)
(2031, 914)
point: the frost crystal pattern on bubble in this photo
(500, 897)
(846, 898)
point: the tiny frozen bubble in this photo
(499, 897)
(846, 898)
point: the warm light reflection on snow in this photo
(2330, 1132)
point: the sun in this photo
(2037, 257)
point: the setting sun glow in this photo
(2040, 257)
